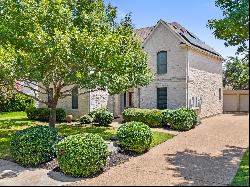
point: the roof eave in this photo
(186, 45)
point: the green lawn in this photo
(15, 121)
(242, 176)
(13, 115)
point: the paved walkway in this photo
(206, 155)
(12, 174)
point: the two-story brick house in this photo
(187, 73)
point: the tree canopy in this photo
(236, 73)
(58, 43)
(234, 27)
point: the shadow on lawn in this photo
(204, 169)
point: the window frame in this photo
(159, 65)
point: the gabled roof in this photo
(143, 33)
(181, 32)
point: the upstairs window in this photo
(162, 62)
(75, 98)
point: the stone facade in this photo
(66, 104)
(175, 78)
(193, 78)
(205, 80)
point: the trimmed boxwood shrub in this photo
(102, 117)
(86, 119)
(82, 155)
(151, 117)
(34, 145)
(182, 119)
(42, 114)
(134, 136)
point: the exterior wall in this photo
(86, 103)
(205, 79)
(66, 104)
(163, 39)
(101, 99)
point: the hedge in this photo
(17, 102)
(151, 117)
(42, 114)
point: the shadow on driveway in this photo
(204, 169)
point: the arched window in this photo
(162, 62)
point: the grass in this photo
(160, 137)
(242, 176)
(12, 115)
(15, 121)
(105, 132)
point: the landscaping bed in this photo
(10, 124)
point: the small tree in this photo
(58, 43)
(234, 27)
(236, 73)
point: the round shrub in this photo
(86, 119)
(34, 145)
(82, 155)
(182, 119)
(135, 136)
(102, 117)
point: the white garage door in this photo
(230, 103)
(244, 103)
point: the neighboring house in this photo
(188, 73)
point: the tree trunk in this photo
(52, 116)
(53, 105)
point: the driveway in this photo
(207, 155)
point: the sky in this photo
(192, 14)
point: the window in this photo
(50, 97)
(131, 99)
(219, 93)
(75, 98)
(125, 99)
(162, 62)
(162, 98)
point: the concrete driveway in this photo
(207, 155)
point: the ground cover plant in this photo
(242, 176)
